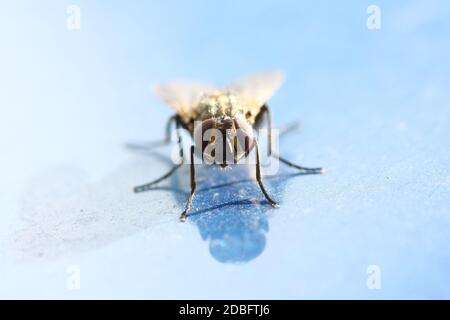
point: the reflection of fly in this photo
(233, 111)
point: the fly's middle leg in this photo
(265, 111)
(147, 186)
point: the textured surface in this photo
(374, 108)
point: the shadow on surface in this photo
(64, 212)
(229, 209)
(67, 213)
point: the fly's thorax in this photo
(218, 105)
(223, 140)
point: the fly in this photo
(222, 123)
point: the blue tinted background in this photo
(374, 110)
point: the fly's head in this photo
(223, 141)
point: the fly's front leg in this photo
(147, 186)
(266, 111)
(259, 179)
(185, 212)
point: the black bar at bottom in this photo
(228, 309)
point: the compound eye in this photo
(245, 139)
(200, 132)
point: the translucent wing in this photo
(255, 90)
(183, 96)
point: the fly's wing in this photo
(183, 96)
(255, 90)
